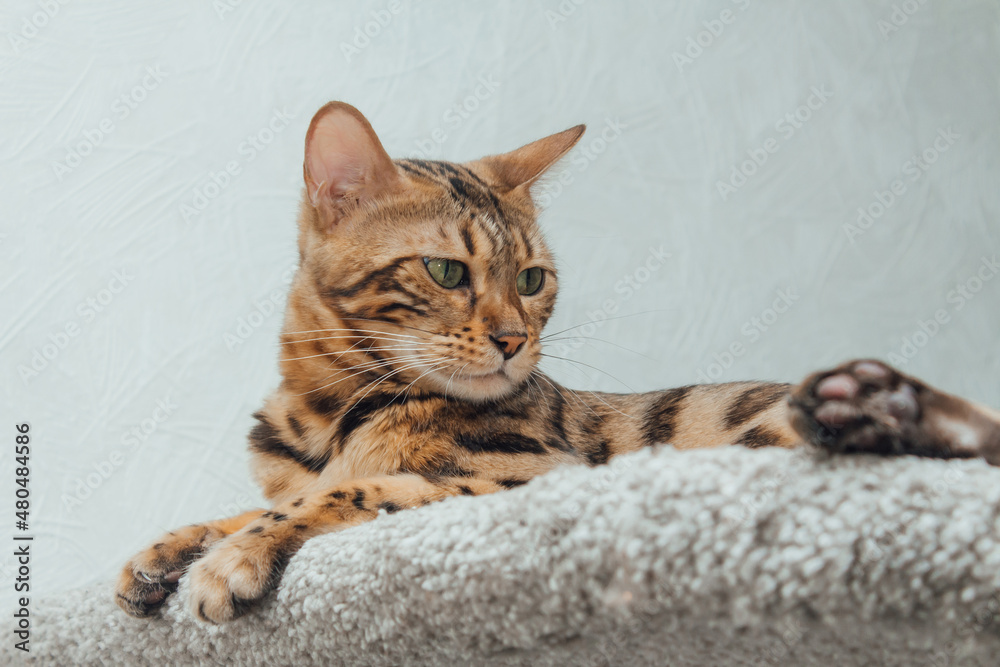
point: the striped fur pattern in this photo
(398, 392)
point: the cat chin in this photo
(478, 388)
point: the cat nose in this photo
(508, 343)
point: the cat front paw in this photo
(238, 572)
(152, 575)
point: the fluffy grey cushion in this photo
(714, 557)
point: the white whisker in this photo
(377, 331)
(378, 362)
(391, 324)
(574, 361)
(572, 393)
(596, 395)
(354, 333)
(448, 386)
(623, 414)
(371, 347)
(622, 347)
(533, 381)
(375, 365)
(607, 319)
(380, 381)
(429, 370)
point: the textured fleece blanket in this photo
(721, 557)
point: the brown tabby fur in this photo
(394, 395)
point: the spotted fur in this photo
(398, 392)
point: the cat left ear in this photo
(345, 162)
(524, 166)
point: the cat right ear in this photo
(345, 162)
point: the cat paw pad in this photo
(862, 406)
(152, 575)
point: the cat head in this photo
(437, 269)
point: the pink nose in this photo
(509, 344)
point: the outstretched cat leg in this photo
(241, 569)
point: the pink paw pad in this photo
(902, 404)
(834, 414)
(156, 597)
(840, 387)
(870, 371)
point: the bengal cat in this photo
(409, 356)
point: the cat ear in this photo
(345, 162)
(522, 167)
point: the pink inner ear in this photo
(344, 162)
(338, 157)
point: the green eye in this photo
(530, 281)
(446, 272)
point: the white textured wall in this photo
(672, 131)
